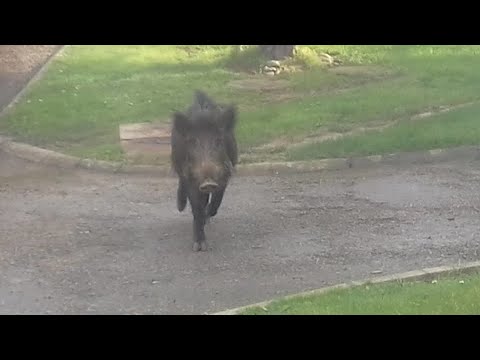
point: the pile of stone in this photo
(272, 68)
(330, 60)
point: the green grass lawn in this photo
(77, 107)
(448, 295)
(455, 128)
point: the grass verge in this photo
(450, 294)
(89, 91)
(444, 130)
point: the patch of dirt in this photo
(160, 130)
(272, 90)
(361, 70)
(18, 64)
(440, 109)
(146, 143)
(276, 90)
(259, 84)
(146, 151)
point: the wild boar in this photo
(204, 155)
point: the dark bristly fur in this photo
(204, 154)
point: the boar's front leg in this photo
(181, 195)
(198, 202)
(215, 202)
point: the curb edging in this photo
(50, 157)
(400, 158)
(415, 275)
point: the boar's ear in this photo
(229, 118)
(202, 99)
(180, 122)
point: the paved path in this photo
(18, 64)
(85, 243)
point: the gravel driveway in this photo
(86, 243)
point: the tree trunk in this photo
(278, 52)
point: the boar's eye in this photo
(218, 142)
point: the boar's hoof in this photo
(200, 246)
(196, 246)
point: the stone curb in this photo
(49, 157)
(415, 275)
(33, 80)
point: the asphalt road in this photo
(86, 243)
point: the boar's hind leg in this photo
(181, 196)
(215, 202)
(198, 202)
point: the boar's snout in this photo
(208, 186)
